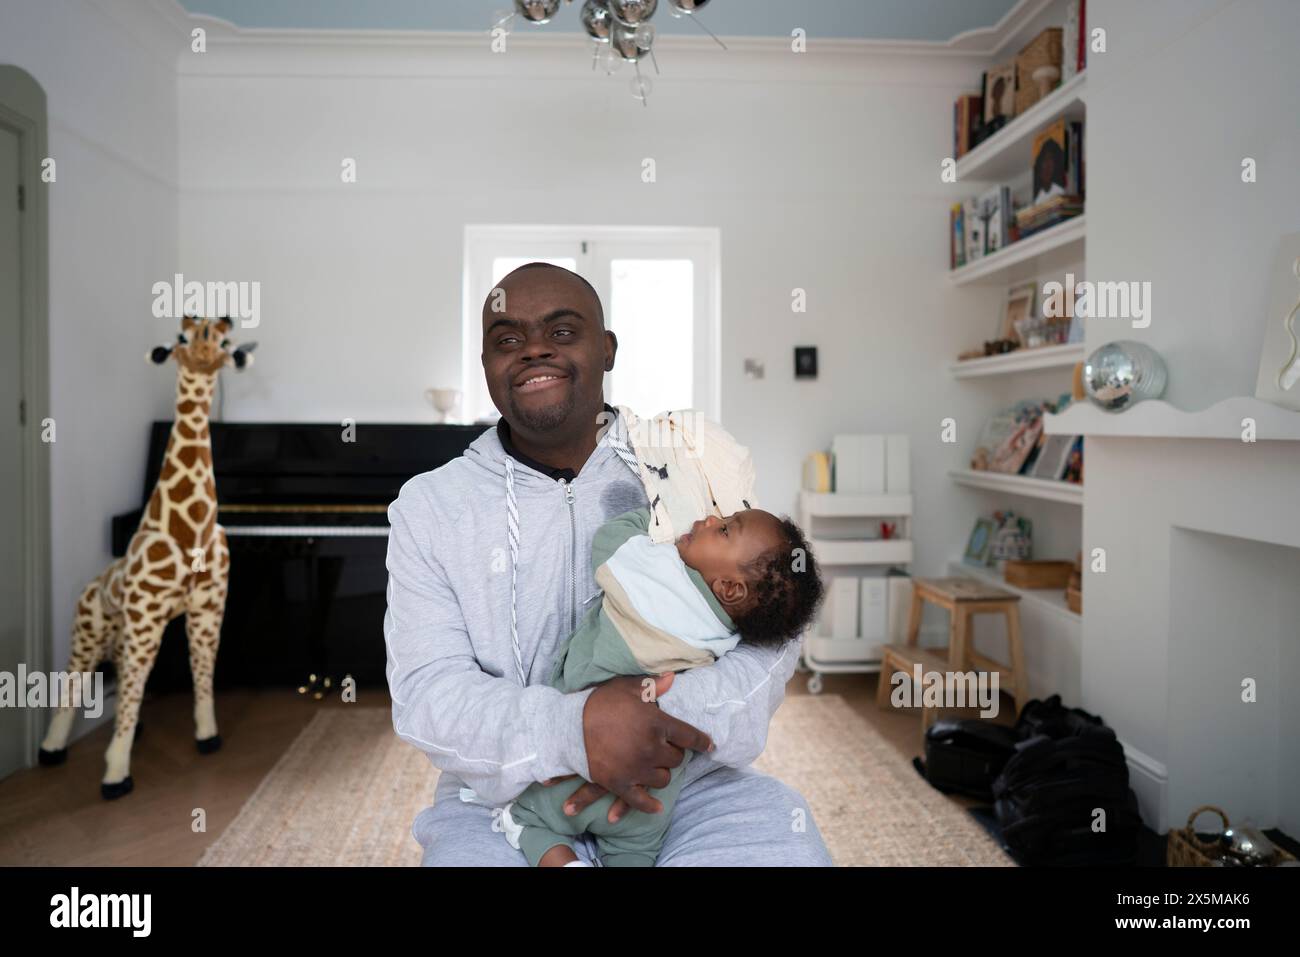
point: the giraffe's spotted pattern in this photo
(122, 613)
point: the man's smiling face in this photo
(545, 352)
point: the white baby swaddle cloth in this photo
(691, 468)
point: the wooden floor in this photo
(56, 817)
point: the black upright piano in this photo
(305, 512)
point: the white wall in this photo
(1187, 89)
(109, 76)
(821, 171)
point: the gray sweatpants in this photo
(725, 817)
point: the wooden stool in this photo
(962, 597)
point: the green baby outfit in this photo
(657, 614)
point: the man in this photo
(489, 572)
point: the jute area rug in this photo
(346, 791)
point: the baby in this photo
(666, 607)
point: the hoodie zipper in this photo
(573, 557)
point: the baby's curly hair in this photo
(787, 590)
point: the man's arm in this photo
(733, 700)
(493, 734)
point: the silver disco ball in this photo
(624, 41)
(685, 6)
(633, 12)
(1121, 374)
(537, 11)
(596, 20)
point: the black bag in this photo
(1051, 718)
(965, 756)
(1068, 765)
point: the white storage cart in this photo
(831, 514)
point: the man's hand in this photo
(631, 745)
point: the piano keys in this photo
(306, 516)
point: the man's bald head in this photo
(549, 272)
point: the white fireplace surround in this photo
(1201, 590)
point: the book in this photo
(996, 215)
(957, 236)
(966, 116)
(1051, 211)
(973, 227)
(1081, 61)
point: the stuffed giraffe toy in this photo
(176, 564)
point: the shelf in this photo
(1053, 599)
(1050, 250)
(1008, 152)
(830, 551)
(852, 505)
(824, 650)
(1022, 360)
(1158, 419)
(1046, 489)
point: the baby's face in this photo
(718, 548)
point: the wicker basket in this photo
(1185, 849)
(1042, 50)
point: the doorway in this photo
(24, 410)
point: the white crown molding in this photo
(238, 52)
(979, 42)
(245, 51)
(990, 41)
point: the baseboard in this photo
(1149, 779)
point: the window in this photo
(659, 289)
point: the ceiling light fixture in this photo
(620, 30)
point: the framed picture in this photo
(1009, 457)
(1000, 92)
(1053, 457)
(981, 539)
(1049, 163)
(1017, 312)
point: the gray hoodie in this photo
(454, 659)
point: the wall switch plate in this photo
(805, 362)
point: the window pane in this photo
(652, 311)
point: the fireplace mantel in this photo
(1155, 419)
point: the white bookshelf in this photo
(1022, 485)
(1051, 249)
(852, 505)
(1048, 599)
(1005, 154)
(1022, 360)
(1052, 633)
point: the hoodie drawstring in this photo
(621, 449)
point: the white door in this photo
(660, 290)
(13, 721)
